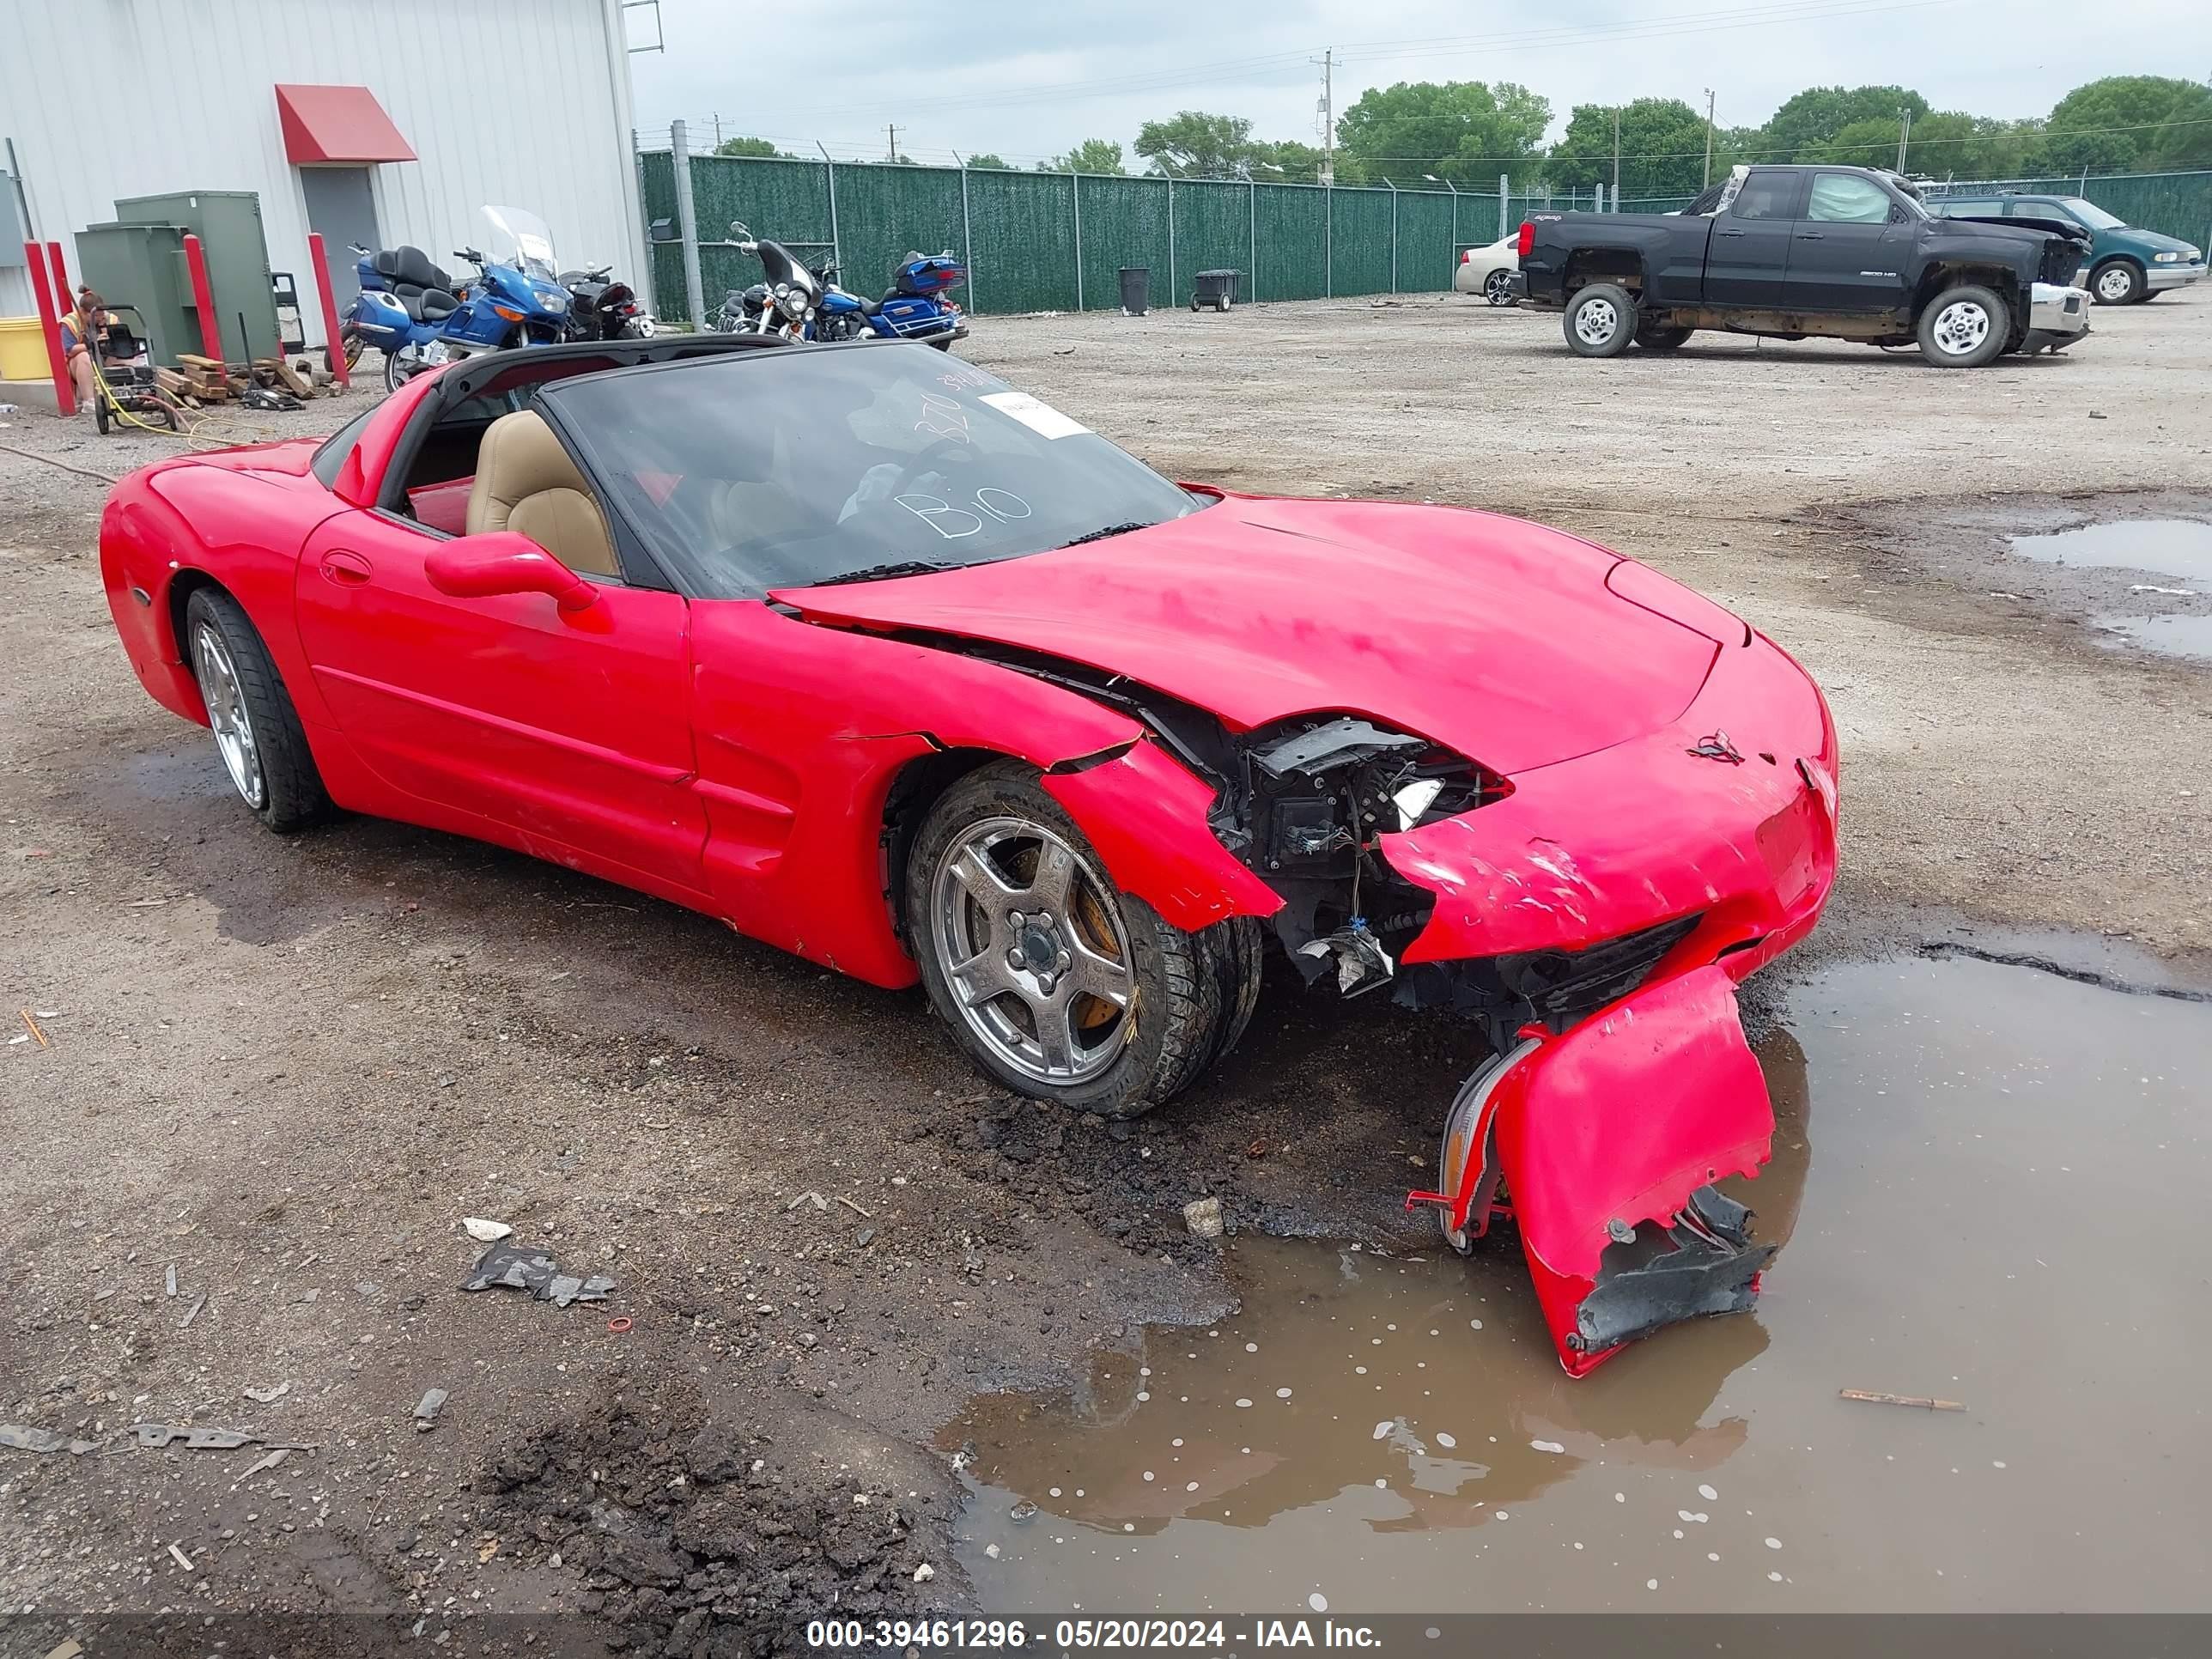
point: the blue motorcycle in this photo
(914, 309)
(805, 303)
(420, 318)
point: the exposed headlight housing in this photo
(792, 303)
(2167, 258)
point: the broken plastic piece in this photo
(524, 1267)
(1362, 963)
(483, 1231)
(24, 1437)
(158, 1435)
(1325, 747)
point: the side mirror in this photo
(501, 561)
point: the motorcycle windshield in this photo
(518, 237)
(776, 260)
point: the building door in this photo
(342, 207)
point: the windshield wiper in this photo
(1110, 530)
(876, 572)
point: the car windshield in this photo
(2091, 215)
(518, 237)
(805, 465)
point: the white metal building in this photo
(521, 102)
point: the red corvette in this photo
(892, 665)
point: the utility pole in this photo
(1904, 133)
(718, 130)
(1616, 158)
(1709, 139)
(1327, 61)
(891, 131)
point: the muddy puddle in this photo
(1984, 1176)
(2180, 549)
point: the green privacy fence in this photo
(1057, 241)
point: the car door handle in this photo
(1730, 233)
(1812, 236)
(346, 569)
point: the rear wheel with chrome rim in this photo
(1059, 986)
(1498, 287)
(257, 731)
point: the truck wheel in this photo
(1662, 339)
(1964, 328)
(1600, 320)
(2118, 282)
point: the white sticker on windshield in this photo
(1040, 418)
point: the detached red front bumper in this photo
(1607, 1136)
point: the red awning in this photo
(337, 123)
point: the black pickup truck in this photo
(1848, 253)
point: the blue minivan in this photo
(2125, 265)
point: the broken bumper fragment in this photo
(1624, 1088)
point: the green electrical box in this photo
(228, 224)
(143, 265)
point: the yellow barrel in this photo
(22, 349)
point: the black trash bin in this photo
(1136, 289)
(1214, 289)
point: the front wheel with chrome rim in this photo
(257, 731)
(1058, 984)
(1964, 328)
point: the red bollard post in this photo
(203, 297)
(49, 326)
(61, 277)
(333, 347)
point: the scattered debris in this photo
(819, 1202)
(1362, 963)
(173, 1278)
(425, 1413)
(854, 1208)
(71, 1649)
(1022, 1513)
(23, 1437)
(182, 1559)
(1203, 1217)
(2153, 587)
(1257, 1149)
(35, 1031)
(274, 1460)
(2097, 415)
(269, 1395)
(924, 1573)
(159, 1435)
(619, 1326)
(1873, 1399)
(191, 1313)
(523, 1267)
(483, 1231)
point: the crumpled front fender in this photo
(1608, 1139)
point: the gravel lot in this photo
(292, 1066)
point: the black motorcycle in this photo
(600, 308)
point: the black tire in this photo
(1653, 338)
(1192, 993)
(1495, 288)
(1949, 335)
(292, 796)
(1600, 320)
(99, 411)
(942, 343)
(2125, 280)
(351, 342)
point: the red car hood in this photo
(1494, 637)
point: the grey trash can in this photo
(1214, 289)
(1136, 289)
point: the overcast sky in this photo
(1027, 80)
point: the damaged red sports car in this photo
(892, 665)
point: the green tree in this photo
(1663, 148)
(1091, 156)
(748, 147)
(1463, 131)
(1195, 144)
(1815, 116)
(1947, 144)
(2128, 122)
(989, 160)
(1288, 162)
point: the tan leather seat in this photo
(526, 483)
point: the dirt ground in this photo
(289, 1068)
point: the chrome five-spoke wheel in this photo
(1030, 942)
(227, 714)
